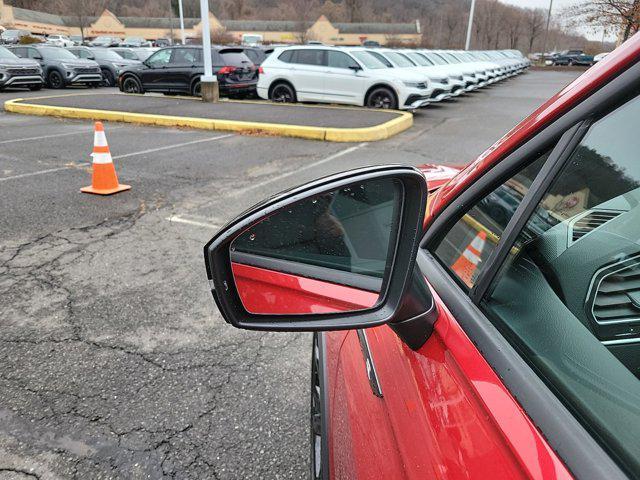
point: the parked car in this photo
(12, 37)
(78, 40)
(162, 42)
(140, 54)
(135, 42)
(447, 345)
(19, 72)
(111, 64)
(59, 41)
(178, 70)
(339, 75)
(572, 57)
(256, 54)
(472, 77)
(105, 42)
(61, 67)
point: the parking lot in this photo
(113, 360)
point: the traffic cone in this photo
(104, 180)
(465, 267)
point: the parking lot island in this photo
(327, 123)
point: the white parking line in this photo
(195, 223)
(242, 191)
(55, 135)
(115, 157)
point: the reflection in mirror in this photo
(327, 253)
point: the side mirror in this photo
(37, 57)
(355, 68)
(336, 253)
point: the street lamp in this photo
(467, 44)
(181, 22)
(208, 81)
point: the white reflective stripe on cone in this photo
(99, 138)
(472, 257)
(478, 243)
(102, 158)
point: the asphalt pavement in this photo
(114, 362)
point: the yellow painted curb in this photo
(383, 131)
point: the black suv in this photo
(19, 72)
(61, 67)
(111, 64)
(178, 70)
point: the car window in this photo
(465, 248)
(340, 60)
(569, 296)
(368, 60)
(184, 56)
(161, 57)
(310, 57)
(235, 58)
(20, 52)
(286, 56)
(33, 53)
(399, 59)
(381, 58)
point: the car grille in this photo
(22, 71)
(440, 80)
(87, 70)
(460, 77)
(422, 85)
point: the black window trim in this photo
(577, 447)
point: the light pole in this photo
(208, 81)
(467, 44)
(546, 32)
(181, 22)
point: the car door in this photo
(179, 70)
(154, 76)
(343, 82)
(308, 74)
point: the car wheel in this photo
(108, 79)
(131, 85)
(283, 93)
(315, 430)
(382, 97)
(196, 89)
(35, 88)
(570, 63)
(54, 79)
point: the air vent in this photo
(588, 222)
(617, 296)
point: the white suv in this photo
(59, 41)
(339, 75)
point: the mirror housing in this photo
(355, 68)
(398, 281)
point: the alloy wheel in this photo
(131, 85)
(282, 94)
(55, 80)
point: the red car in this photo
(487, 328)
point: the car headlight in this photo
(3, 67)
(67, 66)
(415, 84)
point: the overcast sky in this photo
(558, 6)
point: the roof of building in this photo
(389, 28)
(157, 22)
(265, 25)
(37, 17)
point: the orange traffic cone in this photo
(466, 266)
(104, 180)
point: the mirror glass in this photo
(326, 253)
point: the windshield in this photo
(448, 57)
(4, 53)
(53, 53)
(134, 39)
(434, 58)
(10, 34)
(399, 59)
(419, 59)
(106, 55)
(368, 60)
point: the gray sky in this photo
(558, 6)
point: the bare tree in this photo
(514, 24)
(620, 15)
(534, 22)
(355, 10)
(81, 11)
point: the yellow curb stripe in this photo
(385, 130)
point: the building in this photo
(152, 28)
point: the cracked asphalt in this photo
(114, 362)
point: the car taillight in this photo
(260, 70)
(226, 70)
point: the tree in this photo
(81, 11)
(534, 23)
(620, 15)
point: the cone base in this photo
(110, 191)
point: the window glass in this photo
(286, 56)
(184, 56)
(419, 59)
(568, 296)
(161, 57)
(340, 60)
(380, 57)
(104, 54)
(235, 58)
(368, 60)
(310, 57)
(467, 246)
(400, 59)
(5, 53)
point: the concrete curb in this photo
(362, 134)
